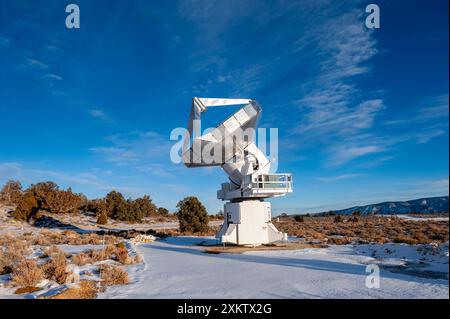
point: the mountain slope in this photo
(421, 205)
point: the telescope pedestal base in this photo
(249, 223)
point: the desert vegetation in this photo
(50, 262)
(47, 198)
(113, 275)
(338, 229)
(192, 215)
(32, 254)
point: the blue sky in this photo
(362, 114)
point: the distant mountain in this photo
(422, 205)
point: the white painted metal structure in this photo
(231, 145)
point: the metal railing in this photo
(272, 181)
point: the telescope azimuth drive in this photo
(231, 145)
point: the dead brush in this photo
(113, 275)
(55, 237)
(8, 260)
(89, 257)
(52, 250)
(55, 268)
(121, 255)
(13, 253)
(114, 252)
(85, 289)
(371, 229)
(27, 274)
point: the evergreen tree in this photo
(192, 215)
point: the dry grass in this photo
(85, 289)
(27, 274)
(89, 257)
(212, 230)
(11, 253)
(113, 275)
(26, 290)
(114, 252)
(55, 268)
(54, 237)
(366, 229)
(52, 251)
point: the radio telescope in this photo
(231, 145)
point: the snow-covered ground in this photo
(414, 218)
(178, 268)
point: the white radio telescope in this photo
(231, 145)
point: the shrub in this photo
(113, 200)
(95, 206)
(113, 275)
(299, 218)
(52, 250)
(55, 268)
(53, 200)
(102, 218)
(27, 207)
(81, 259)
(129, 210)
(145, 207)
(192, 215)
(338, 219)
(122, 256)
(116, 252)
(89, 257)
(84, 289)
(354, 219)
(11, 192)
(163, 211)
(27, 274)
(8, 260)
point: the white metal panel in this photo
(231, 124)
(222, 102)
(241, 116)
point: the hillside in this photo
(422, 205)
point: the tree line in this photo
(48, 197)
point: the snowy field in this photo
(178, 268)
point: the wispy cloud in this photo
(343, 154)
(426, 136)
(436, 107)
(100, 115)
(339, 177)
(334, 111)
(137, 149)
(53, 76)
(433, 109)
(36, 64)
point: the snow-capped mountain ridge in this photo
(422, 205)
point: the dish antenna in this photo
(231, 145)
